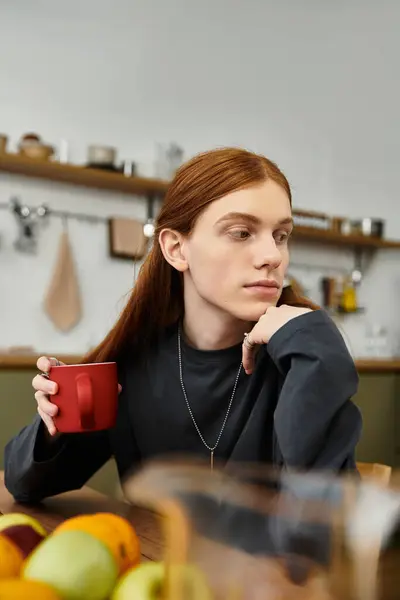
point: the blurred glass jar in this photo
(252, 533)
(169, 158)
(377, 341)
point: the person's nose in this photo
(267, 254)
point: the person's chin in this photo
(252, 312)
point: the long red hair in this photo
(156, 300)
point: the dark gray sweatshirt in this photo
(294, 410)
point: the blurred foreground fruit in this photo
(76, 564)
(146, 582)
(20, 519)
(11, 558)
(114, 531)
(25, 531)
(18, 589)
(23, 536)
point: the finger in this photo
(248, 358)
(45, 405)
(48, 421)
(45, 363)
(119, 388)
(42, 384)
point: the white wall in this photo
(313, 84)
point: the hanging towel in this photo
(62, 303)
(127, 239)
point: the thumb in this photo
(119, 388)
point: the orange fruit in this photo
(11, 558)
(114, 531)
(18, 589)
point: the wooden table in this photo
(54, 510)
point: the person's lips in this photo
(263, 287)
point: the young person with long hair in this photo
(216, 358)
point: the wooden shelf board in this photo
(384, 365)
(332, 237)
(106, 180)
(28, 361)
(82, 176)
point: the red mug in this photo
(87, 396)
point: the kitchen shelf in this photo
(377, 365)
(82, 176)
(325, 236)
(143, 186)
(28, 361)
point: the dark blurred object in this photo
(111, 168)
(3, 143)
(369, 227)
(28, 220)
(102, 157)
(127, 168)
(329, 292)
(366, 226)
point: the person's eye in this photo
(239, 234)
(281, 237)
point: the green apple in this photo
(146, 582)
(20, 519)
(76, 564)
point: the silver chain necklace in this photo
(210, 448)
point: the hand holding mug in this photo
(76, 398)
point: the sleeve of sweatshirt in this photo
(315, 417)
(37, 467)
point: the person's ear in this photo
(171, 244)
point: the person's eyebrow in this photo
(287, 221)
(232, 216)
(236, 216)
